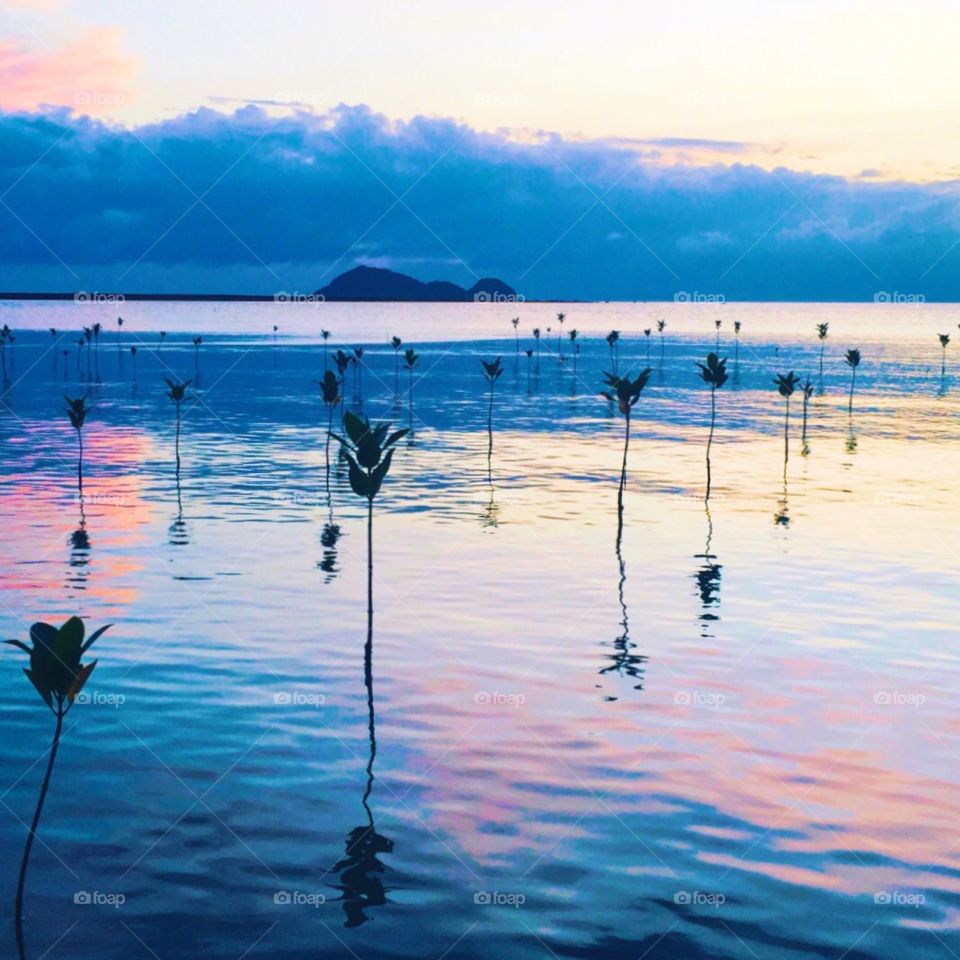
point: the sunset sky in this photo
(843, 95)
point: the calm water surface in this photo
(739, 738)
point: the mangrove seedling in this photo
(342, 362)
(626, 392)
(807, 394)
(491, 373)
(6, 336)
(58, 676)
(369, 452)
(358, 368)
(396, 343)
(646, 335)
(330, 388)
(714, 374)
(325, 334)
(410, 359)
(661, 326)
(852, 360)
(560, 318)
(944, 343)
(786, 383)
(613, 342)
(163, 336)
(536, 337)
(176, 394)
(133, 354)
(736, 335)
(77, 411)
(529, 354)
(575, 348)
(197, 341)
(516, 332)
(823, 331)
(718, 324)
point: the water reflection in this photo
(178, 532)
(79, 561)
(708, 577)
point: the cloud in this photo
(211, 199)
(91, 75)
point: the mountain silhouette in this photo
(375, 283)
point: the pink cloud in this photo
(92, 74)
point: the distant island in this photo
(378, 284)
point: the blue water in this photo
(740, 742)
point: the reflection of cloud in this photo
(90, 75)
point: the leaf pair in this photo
(492, 371)
(626, 391)
(396, 343)
(853, 358)
(177, 390)
(786, 383)
(77, 411)
(55, 668)
(411, 358)
(369, 453)
(342, 361)
(330, 388)
(822, 330)
(714, 371)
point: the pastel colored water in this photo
(764, 762)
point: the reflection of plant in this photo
(176, 394)
(613, 342)
(786, 383)
(77, 411)
(58, 676)
(853, 361)
(714, 374)
(823, 331)
(627, 393)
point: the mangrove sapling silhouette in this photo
(330, 389)
(368, 449)
(852, 360)
(516, 332)
(176, 394)
(575, 350)
(718, 324)
(560, 318)
(197, 342)
(396, 343)
(6, 336)
(133, 357)
(342, 362)
(736, 339)
(529, 354)
(944, 343)
(325, 334)
(613, 342)
(119, 331)
(807, 394)
(646, 337)
(162, 337)
(410, 359)
(536, 337)
(66, 358)
(491, 373)
(626, 392)
(661, 326)
(77, 411)
(714, 374)
(58, 676)
(786, 384)
(358, 370)
(96, 329)
(823, 331)
(80, 343)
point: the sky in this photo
(601, 150)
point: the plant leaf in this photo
(83, 674)
(94, 637)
